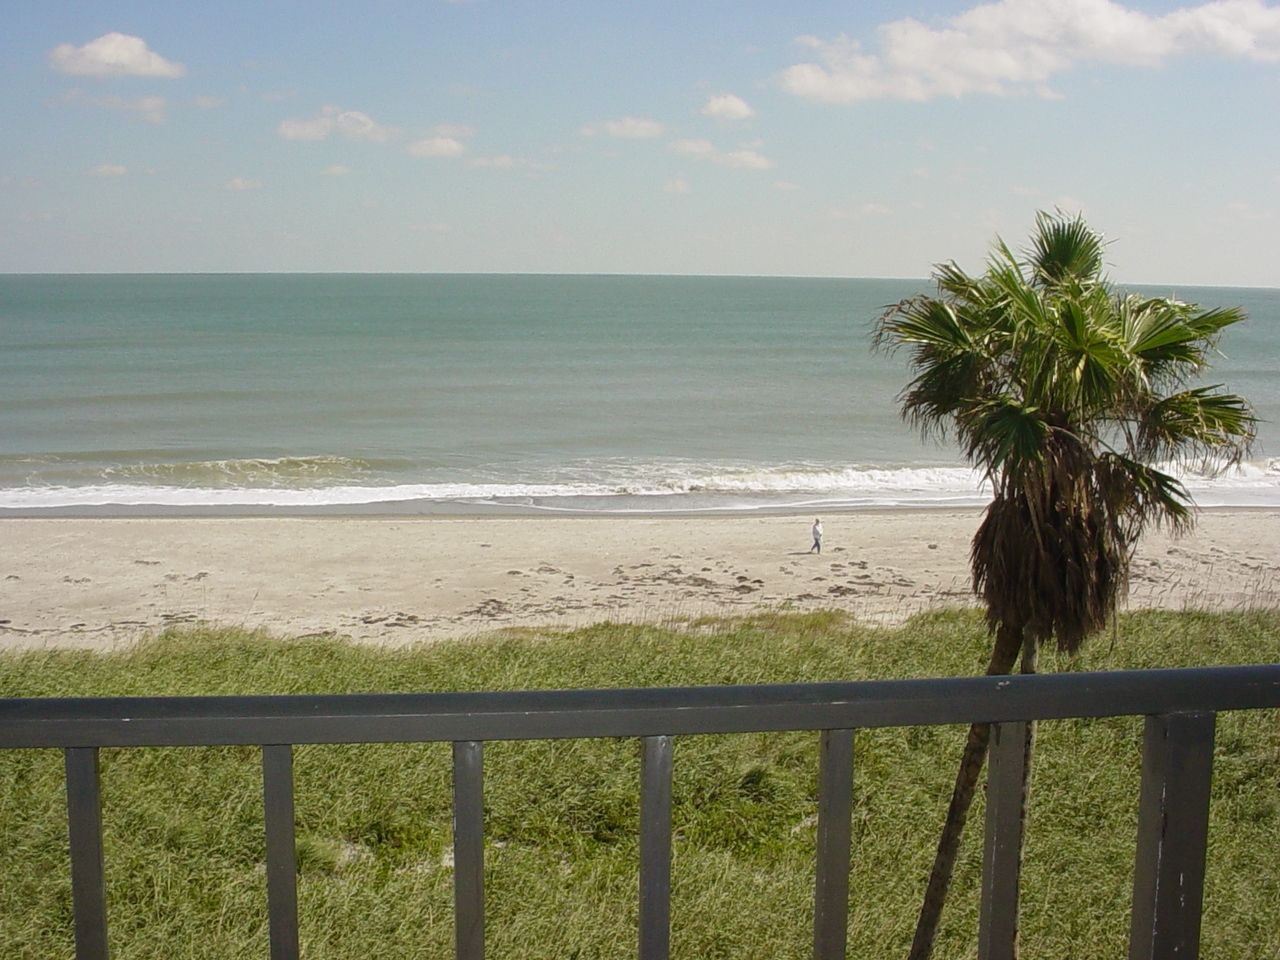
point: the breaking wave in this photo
(601, 486)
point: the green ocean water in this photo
(595, 393)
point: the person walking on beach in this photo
(817, 537)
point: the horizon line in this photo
(554, 273)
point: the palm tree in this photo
(1071, 397)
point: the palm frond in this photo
(1169, 334)
(1139, 493)
(1210, 323)
(952, 281)
(923, 322)
(1003, 437)
(1064, 248)
(1198, 424)
(933, 399)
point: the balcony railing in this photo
(1180, 707)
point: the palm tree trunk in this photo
(1029, 651)
(1004, 654)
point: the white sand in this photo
(101, 582)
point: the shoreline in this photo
(458, 510)
(105, 581)
(463, 510)
(628, 488)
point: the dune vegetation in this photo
(183, 827)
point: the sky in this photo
(798, 138)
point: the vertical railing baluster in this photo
(655, 848)
(1173, 833)
(1002, 843)
(468, 849)
(835, 811)
(84, 827)
(282, 864)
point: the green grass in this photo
(183, 827)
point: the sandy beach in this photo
(99, 583)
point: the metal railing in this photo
(1177, 761)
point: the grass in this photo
(183, 827)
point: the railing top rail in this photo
(545, 714)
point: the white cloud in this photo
(700, 149)
(208, 103)
(106, 170)
(1244, 211)
(676, 186)
(705, 150)
(786, 186)
(350, 124)
(151, 109)
(355, 125)
(243, 183)
(438, 147)
(113, 55)
(728, 107)
(317, 129)
(453, 130)
(633, 128)
(1015, 46)
(337, 170)
(445, 141)
(858, 213)
(507, 162)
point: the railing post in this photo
(1002, 842)
(468, 849)
(835, 811)
(1173, 829)
(84, 828)
(282, 864)
(655, 848)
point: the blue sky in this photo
(798, 138)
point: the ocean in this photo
(154, 394)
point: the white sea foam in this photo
(243, 473)
(1254, 483)
(639, 488)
